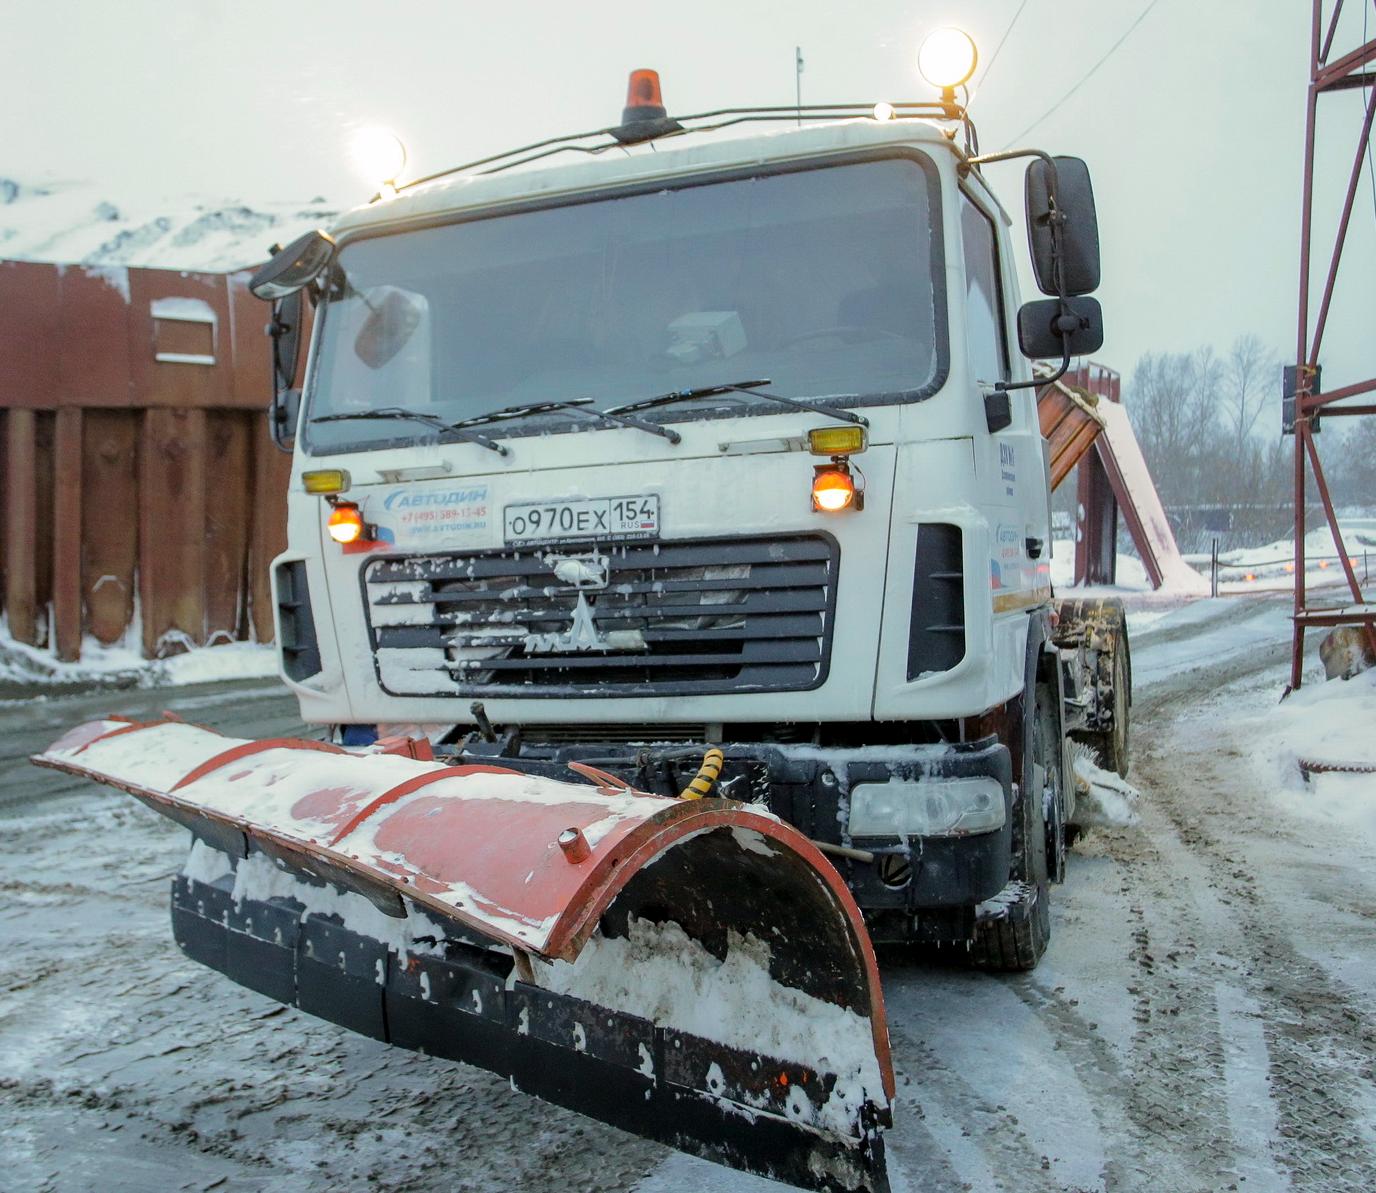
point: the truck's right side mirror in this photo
(1045, 332)
(1073, 206)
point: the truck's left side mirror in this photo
(293, 267)
(1065, 200)
(285, 330)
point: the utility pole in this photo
(798, 82)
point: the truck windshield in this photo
(820, 279)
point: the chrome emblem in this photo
(583, 572)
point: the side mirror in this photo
(1044, 333)
(1064, 198)
(293, 267)
(285, 330)
(282, 415)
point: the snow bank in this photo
(74, 222)
(1132, 576)
(1330, 722)
(123, 665)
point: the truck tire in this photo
(1102, 625)
(1013, 935)
(1112, 747)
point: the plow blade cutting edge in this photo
(693, 971)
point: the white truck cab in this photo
(706, 440)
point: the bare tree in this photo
(1251, 374)
(1172, 402)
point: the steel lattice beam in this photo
(1346, 72)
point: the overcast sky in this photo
(1193, 128)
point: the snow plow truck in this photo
(668, 571)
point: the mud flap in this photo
(694, 972)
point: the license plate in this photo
(598, 518)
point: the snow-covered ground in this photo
(77, 223)
(1202, 1020)
(27, 671)
(1271, 568)
(1251, 570)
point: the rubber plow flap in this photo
(693, 971)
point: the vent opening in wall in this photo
(296, 626)
(936, 632)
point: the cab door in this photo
(1012, 460)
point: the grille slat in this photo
(769, 577)
(531, 562)
(672, 617)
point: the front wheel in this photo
(1013, 929)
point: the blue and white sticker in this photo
(432, 515)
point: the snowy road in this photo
(1203, 1019)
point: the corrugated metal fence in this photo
(141, 488)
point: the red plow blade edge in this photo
(693, 971)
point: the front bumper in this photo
(915, 886)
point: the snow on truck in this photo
(669, 565)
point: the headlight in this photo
(932, 808)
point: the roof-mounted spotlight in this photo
(947, 58)
(644, 116)
(379, 156)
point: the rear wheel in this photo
(1113, 745)
(1014, 929)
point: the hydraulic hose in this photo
(706, 778)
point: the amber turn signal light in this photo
(346, 523)
(833, 489)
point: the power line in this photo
(1142, 16)
(995, 56)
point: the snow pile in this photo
(1103, 799)
(1359, 534)
(1132, 575)
(662, 974)
(72, 222)
(1271, 567)
(122, 665)
(1329, 722)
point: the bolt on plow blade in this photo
(694, 972)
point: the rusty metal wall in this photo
(140, 485)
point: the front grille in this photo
(687, 617)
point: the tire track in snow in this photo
(1318, 1040)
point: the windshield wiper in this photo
(417, 416)
(574, 406)
(750, 388)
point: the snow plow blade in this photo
(692, 971)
